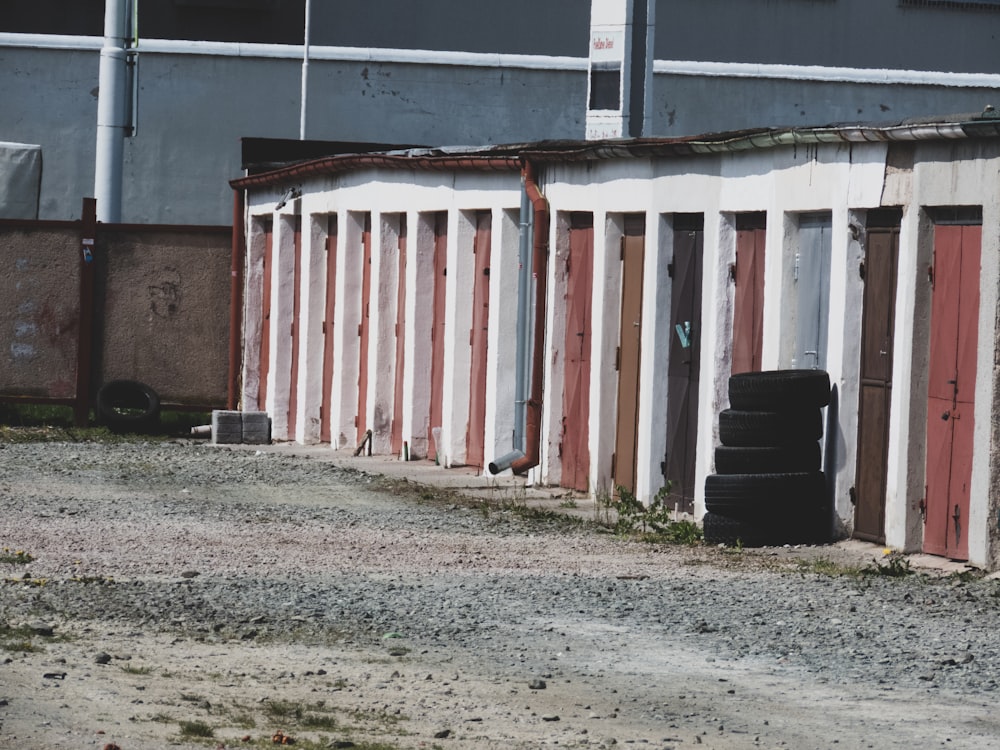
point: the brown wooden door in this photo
(293, 379)
(397, 406)
(574, 449)
(627, 427)
(328, 327)
(475, 432)
(951, 388)
(878, 319)
(748, 306)
(437, 331)
(265, 324)
(363, 327)
(683, 367)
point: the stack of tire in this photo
(769, 488)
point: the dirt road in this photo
(180, 595)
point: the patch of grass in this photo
(570, 503)
(892, 565)
(314, 716)
(24, 639)
(15, 557)
(627, 516)
(196, 729)
(136, 670)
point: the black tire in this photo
(128, 406)
(779, 390)
(803, 529)
(772, 495)
(804, 456)
(769, 428)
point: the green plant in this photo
(15, 557)
(893, 565)
(196, 729)
(570, 503)
(824, 566)
(129, 669)
(655, 522)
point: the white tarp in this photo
(20, 180)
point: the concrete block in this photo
(227, 427)
(256, 428)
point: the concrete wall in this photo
(39, 318)
(194, 108)
(165, 319)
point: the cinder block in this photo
(227, 427)
(256, 428)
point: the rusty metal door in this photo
(475, 432)
(363, 327)
(574, 447)
(397, 406)
(748, 305)
(633, 247)
(951, 388)
(437, 331)
(265, 325)
(683, 368)
(328, 311)
(293, 380)
(812, 285)
(878, 319)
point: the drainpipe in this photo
(236, 301)
(111, 125)
(530, 317)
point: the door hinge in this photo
(930, 275)
(923, 506)
(732, 272)
(622, 249)
(798, 256)
(614, 461)
(670, 269)
(359, 329)
(861, 270)
(618, 358)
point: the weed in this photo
(129, 669)
(196, 729)
(892, 565)
(15, 557)
(654, 523)
(570, 503)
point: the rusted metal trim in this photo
(236, 302)
(84, 353)
(539, 269)
(348, 162)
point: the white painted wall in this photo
(844, 180)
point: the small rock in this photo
(443, 734)
(102, 658)
(537, 685)
(190, 574)
(550, 717)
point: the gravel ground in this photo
(187, 595)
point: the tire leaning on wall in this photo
(128, 406)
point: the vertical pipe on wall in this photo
(305, 75)
(111, 123)
(531, 322)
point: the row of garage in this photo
(575, 310)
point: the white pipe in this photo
(111, 122)
(305, 74)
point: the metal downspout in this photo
(111, 123)
(531, 317)
(236, 301)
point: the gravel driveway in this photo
(185, 595)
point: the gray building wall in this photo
(776, 63)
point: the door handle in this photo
(946, 415)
